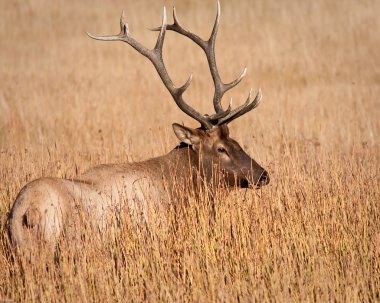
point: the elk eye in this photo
(221, 150)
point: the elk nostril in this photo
(264, 178)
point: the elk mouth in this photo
(263, 180)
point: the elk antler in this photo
(155, 56)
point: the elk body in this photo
(44, 207)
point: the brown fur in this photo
(46, 206)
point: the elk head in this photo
(210, 142)
(221, 158)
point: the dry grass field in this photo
(68, 103)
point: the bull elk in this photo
(44, 207)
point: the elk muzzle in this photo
(264, 178)
(254, 176)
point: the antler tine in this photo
(237, 80)
(161, 36)
(186, 85)
(123, 25)
(124, 31)
(216, 24)
(155, 56)
(249, 105)
(210, 53)
(125, 37)
(217, 116)
(175, 19)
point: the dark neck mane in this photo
(182, 145)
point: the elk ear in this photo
(187, 135)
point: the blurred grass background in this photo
(68, 103)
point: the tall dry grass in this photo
(68, 103)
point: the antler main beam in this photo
(208, 46)
(155, 56)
